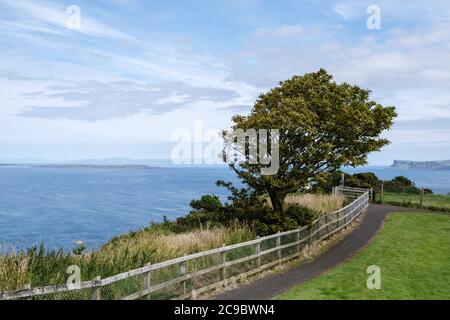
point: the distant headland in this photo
(430, 165)
(77, 166)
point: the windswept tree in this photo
(322, 127)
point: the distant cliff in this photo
(430, 165)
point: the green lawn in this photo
(430, 201)
(413, 252)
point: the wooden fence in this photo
(189, 276)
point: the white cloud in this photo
(407, 65)
(46, 16)
(280, 31)
(344, 10)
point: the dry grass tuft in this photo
(316, 202)
(39, 267)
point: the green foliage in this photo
(296, 216)
(301, 215)
(206, 211)
(366, 180)
(326, 181)
(208, 203)
(400, 184)
(245, 207)
(323, 126)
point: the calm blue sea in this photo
(61, 206)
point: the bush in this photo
(325, 182)
(206, 211)
(366, 180)
(208, 203)
(400, 184)
(301, 215)
(246, 208)
(296, 217)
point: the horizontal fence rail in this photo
(187, 277)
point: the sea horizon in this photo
(60, 206)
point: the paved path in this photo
(272, 285)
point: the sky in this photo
(117, 78)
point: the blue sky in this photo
(136, 71)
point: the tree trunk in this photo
(278, 204)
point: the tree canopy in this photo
(322, 126)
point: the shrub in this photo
(400, 184)
(208, 203)
(369, 179)
(325, 182)
(296, 216)
(301, 215)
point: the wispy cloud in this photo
(51, 18)
(281, 31)
(95, 101)
(127, 68)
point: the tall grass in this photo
(39, 267)
(317, 202)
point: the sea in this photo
(59, 206)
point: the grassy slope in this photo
(413, 252)
(129, 251)
(429, 200)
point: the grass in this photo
(317, 202)
(39, 267)
(413, 252)
(433, 202)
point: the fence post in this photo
(146, 280)
(223, 259)
(422, 192)
(328, 226)
(346, 212)
(278, 244)
(182, 273)
(371, 198)
(338, 216)
(258, 251)
(97, 294)
(382, 193)
(297, 239)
